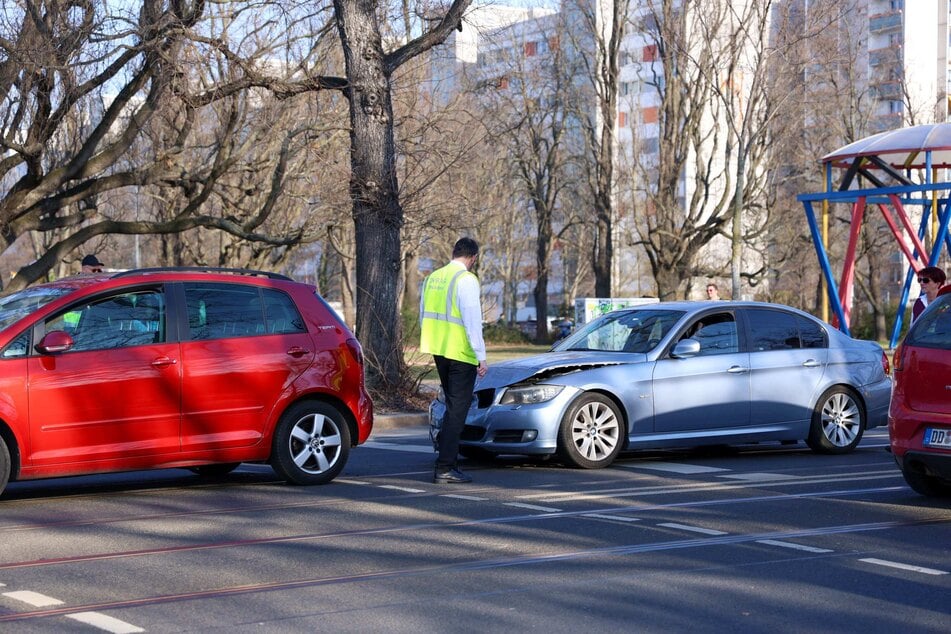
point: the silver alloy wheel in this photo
(841, 419)
(595, 431)
(315, 443)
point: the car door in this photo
(788, 356)
(710, 390)
(243, 348)
(116, 393)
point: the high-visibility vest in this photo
(441, 329)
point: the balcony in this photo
(886, 55)
(887, 90)
(884, 22)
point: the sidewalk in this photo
(399, 420)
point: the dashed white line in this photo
(35, 599)
(808, 549)
(360, 482)
(758, 477)
(900, 566)
(695, 529)
(404, 489)
(104, 622)
(533, 507)
(464, 497)
(620, 518)
(671, 467)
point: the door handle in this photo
(297, 351)
(810, 363)
(162, 362)
(737, 369)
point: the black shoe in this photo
(450, 476)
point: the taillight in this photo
(355, 349)
(885, 366)
(896, 359)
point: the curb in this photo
(399, 420)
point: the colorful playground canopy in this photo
(905, 148)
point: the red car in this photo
(919, 418)
(196, 368)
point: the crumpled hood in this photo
(517, 370)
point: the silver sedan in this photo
(680, 374)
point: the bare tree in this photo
(603, 28)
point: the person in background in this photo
(91, 264)
(931, 278)
(451, 331)
(713, 293)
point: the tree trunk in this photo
(377, 213)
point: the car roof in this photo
(696, 306)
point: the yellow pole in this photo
(934, 210)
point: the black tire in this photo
(215, 470)
(5, 465)
(925, 484)
(311, 444)
(591, 433)
(838, 421)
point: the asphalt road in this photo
(751, 539)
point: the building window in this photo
(621, 119)
(649, 115)
(531, 49)
(649, 53)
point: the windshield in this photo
(637, 330)
(933, 328)
(20, 304)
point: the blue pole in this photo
(826, 268)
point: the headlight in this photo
(530, 394)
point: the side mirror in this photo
(685, 348)
(55, 341)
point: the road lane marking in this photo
(35, 599)
(672, 467)
(533, 507)
(808, 549)
(344, 481)
(900, 566)
(428, 571)
(404, 489)
(695, 529)
(563, 496)
(758, 477)
(375, 444)
(464, 497)
(104, 622)
(604, 516)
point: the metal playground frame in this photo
(890, 163)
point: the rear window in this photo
(933, 328)
(15, 306)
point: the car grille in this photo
(472, 432)
(508, 435)
(485, 397)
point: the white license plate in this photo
(937, 437)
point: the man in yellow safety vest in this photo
(451, 331)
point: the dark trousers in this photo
(457, 379)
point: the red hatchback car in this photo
(196, 368)
(919, 418)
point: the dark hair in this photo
(933, 273)
(465, 248)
